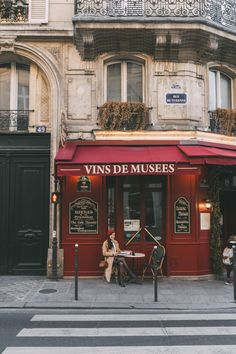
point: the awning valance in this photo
(79, 158)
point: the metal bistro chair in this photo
(155, 261)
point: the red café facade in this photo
(148, 191)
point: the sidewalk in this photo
(40, 292)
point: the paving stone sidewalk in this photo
(40, 292)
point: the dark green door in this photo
(28, 215)
(24, 206)
(4, 207)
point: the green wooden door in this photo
(24, 213)
(28, 214)
(4, 188)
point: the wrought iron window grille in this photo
(14, 10)
(14, 120)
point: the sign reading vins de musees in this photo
(182, 216)
(83, 216)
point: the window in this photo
(14, 87)
(124, 81)
(220, 95)
(32, 11)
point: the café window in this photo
(14, 86)
(220, 90)
(124, 81)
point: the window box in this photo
(123, 116)
(223, 121)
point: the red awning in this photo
(209, 155)
(79, 158)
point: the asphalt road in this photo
(113, 331)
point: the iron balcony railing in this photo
(221, 12)
(223, 121)
(14, 10)
(14, 120)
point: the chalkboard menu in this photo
(182, 216)
(83, 216)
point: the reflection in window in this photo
(111, 202)
(153, 215)
(124, 81)
(219, 90)
(14, 87)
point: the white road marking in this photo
(125, 332)
(204, 349)
(134, 317)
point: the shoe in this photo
(122, 284)
(228, 282)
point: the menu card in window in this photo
(182, 216)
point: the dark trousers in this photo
(229, 269)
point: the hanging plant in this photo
(215, 242)
(226, 120)
(122, 116)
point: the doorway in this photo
(24, 205)
(140, 212)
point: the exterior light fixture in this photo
(208, 204)
(205, 206)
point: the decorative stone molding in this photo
(56, 52)
(7, 44)
(213, 42)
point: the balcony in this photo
(13, 11)
(14, 120)
(165, 29)
(223, 121)
(123, 116)
(23, 11)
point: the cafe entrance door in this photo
(141, 212)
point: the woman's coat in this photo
(109, 256)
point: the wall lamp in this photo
(205, 206)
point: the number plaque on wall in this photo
(182, 216)
(83, 216)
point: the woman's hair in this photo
(109, 243)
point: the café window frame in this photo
(125, 70)
(220, 90)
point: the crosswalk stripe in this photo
(205, 349)
(125, 332)
(133, 317)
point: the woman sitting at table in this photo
(110, 250)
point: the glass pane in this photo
(4, 88)
(212, 91)
(131, 210)
(111, 202)
(153, 214)
(225, 89)
(114, 82)
(134, 82)
(23, 89)
(131, 181)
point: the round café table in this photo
(133, 255)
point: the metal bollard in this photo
(155, 286)
(76, 271)
(234, 269)
(54, 257)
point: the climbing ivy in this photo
(215, 242)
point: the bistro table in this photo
(133, 255)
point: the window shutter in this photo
(38, 11)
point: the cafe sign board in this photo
(182, 216)
(84, 184)
(83, 216)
